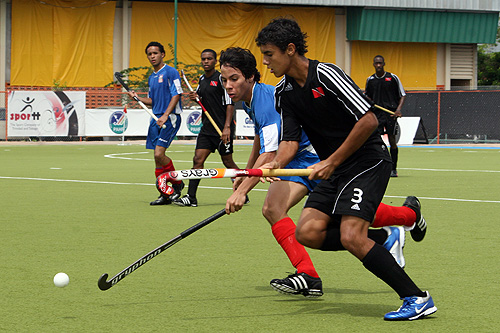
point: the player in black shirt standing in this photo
(386, 90)
(214, 98)
(355, 166)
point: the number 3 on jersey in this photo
(357, 198)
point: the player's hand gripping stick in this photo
(118, 77)
(201, 105)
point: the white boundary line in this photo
(224, 188)
(449, 170)
(120, 156)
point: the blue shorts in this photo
(163, 137)
(302, 160)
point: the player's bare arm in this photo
(238, 198)
(398, 113)
(356, 138)
(145, 100)
(171, 106)
(193, 96)
(252, 159)
(226, 131)
(285, 154)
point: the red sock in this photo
(158, 171)
(391, 215)
(170, 167)
(284, 232)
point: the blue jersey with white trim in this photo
(266, 120)
(163, 85)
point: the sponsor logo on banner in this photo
(194, 122)
(118, 122)
(45, 113)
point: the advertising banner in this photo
(407, 129)
(134, 122)
(116, 122)
(46, 113)
(244, 125)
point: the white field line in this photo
(222, 188)
(121, 156)
(449, 170)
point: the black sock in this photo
(382, 264)
(193, 187)
(394, 157)
(379, 236)
(332, 240)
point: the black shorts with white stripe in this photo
(358, 191)
(214, 143)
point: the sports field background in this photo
(83, 209)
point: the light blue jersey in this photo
(267, 123)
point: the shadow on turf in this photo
(340, 291)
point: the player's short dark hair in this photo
(282, 31)
(378, 56)
(162, 49)
(211, 51)
(241, 59)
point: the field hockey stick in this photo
(202, 107)
(384, 109)
(164, 178)
(105, 285)
(118, 77)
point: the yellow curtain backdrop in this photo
(414, 63)
(65, 41)
(219, 26)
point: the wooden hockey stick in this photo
(202, 107)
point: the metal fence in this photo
(456, 116)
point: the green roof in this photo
(421, 26)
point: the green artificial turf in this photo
(83, 209)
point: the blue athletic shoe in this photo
(413, 308)
(395, 243)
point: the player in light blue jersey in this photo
(241, 80)
(164, 96)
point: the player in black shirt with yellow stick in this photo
(212, 94)
(386, 90)
(355, 166)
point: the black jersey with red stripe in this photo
(385, 91)
(215, 99)
(327, 107)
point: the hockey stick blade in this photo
(119, 78)
(103, 282)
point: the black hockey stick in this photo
(119, 78)
(105, 285)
